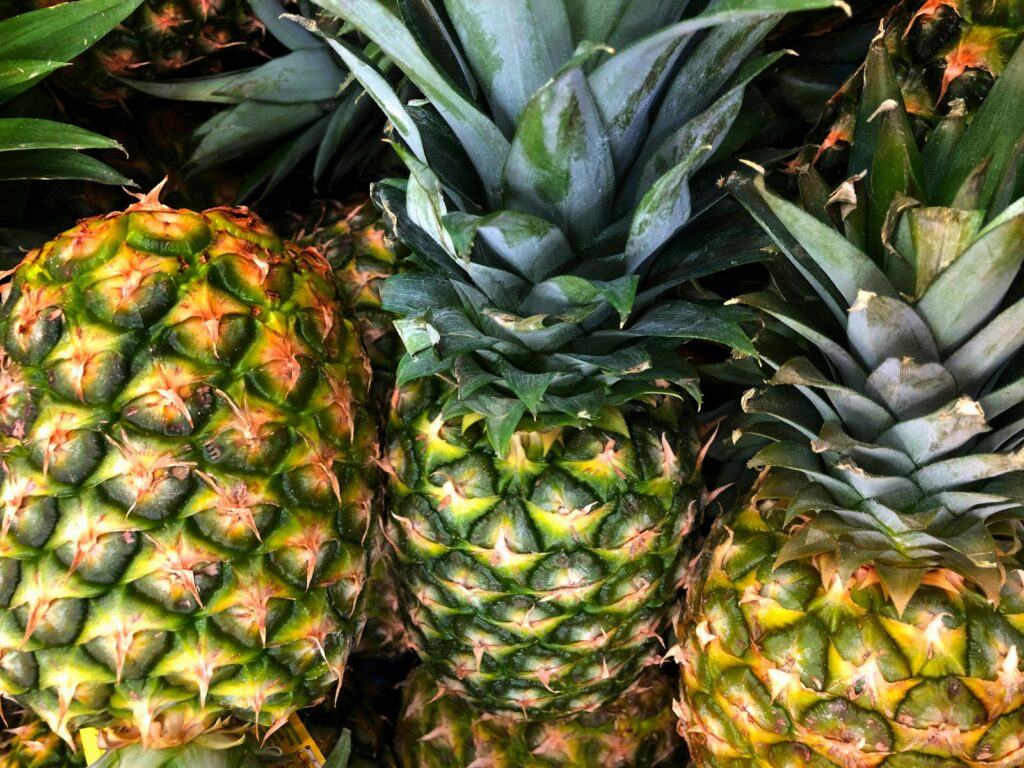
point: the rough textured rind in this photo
(440, 729)
(538, 583)
(944, 52)
(28, 743)
(352, 238)
(783, 667)
(187, 480)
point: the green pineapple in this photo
(542, 459)
(864, 605)
(946, 54)
(187, 478)
(636, 730)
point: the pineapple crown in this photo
(907, 423)
(547, 173)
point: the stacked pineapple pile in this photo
(455, 425)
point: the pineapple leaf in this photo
(513, 49)
(880, 327)
(533, 247)
(800, 458)
(18, 75)
(707, 69)
(938, 236)
(615, 22)
(988, 350)
(380, 91)
(437, 38)
(848, 269)
(1003, 399)
(416, 335)
(409, 294)
(298, 77)
(908, 388)
(810, 328)
(291, 35)
(18, 133)
(484, 143)
(528, 387)
(895, 171)
(994, 134)
(347, 116)
(247, 126)
(663, 211)
(620, 293)
(690, 320)
(626, 100)
(927, 438)
(61, 32)
(58, 164)
(864, 416)
(901, 584)
(560, 165)
(951, 473)
(970, 289)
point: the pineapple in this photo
(436, 728)
(946, 53)
(864, 605)
(31, 744)
(542, 459)
(352, 237)
(188, 476)
(163, 38)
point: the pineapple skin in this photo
(538, 584)
(946, 53)
(439, 728)
(352, 237)
(187, 479)
(794, 667)
(31, 744)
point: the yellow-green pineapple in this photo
(27, 742)
(864, 605)
(542, 459)
(351, 236)
(187, 476)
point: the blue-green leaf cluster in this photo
(550, 168)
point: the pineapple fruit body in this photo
(537, 583)
(351, 236)
(946, 55)
(187, 479)
(864, 607)
(29, 743)
(796, 667)
(633, 731)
